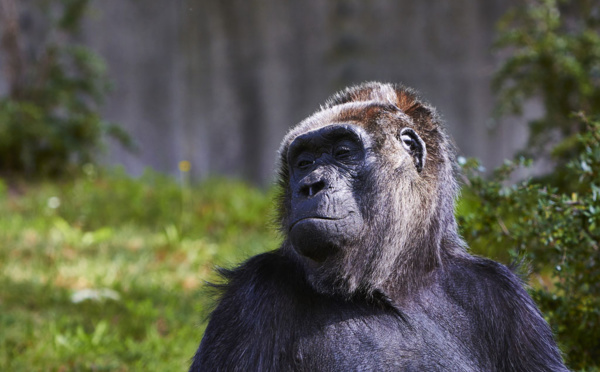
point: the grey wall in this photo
(219, 82)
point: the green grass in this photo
(140, 249)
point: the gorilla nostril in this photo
(314, 188)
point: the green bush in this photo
(552, 221)
(553, 49)
(557, 231)
(50, 123)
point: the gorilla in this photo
(372, 274)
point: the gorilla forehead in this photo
(368, 115)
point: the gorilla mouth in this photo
(316, 218)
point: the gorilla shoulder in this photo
(267, 274)
(254, 315)
(482, 286)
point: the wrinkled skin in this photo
(325, 166)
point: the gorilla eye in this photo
(303, 164)
(342, 152)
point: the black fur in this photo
(375, 276)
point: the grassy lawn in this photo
(106, 272)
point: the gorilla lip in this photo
(316, 218)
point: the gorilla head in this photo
(368, 192)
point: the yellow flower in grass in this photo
(184, 166)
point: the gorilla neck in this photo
(409, 270)
(368, 271)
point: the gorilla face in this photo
(354, 185)
(326, 166)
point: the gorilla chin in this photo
(317, 238)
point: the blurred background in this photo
(138, 141)
(219, 83)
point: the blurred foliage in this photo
(558, 232)
(105, 272)
(50, 124)
(553, 49)
(552, 221)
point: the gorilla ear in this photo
(415, 146)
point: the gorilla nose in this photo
(312, 188)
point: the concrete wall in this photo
(219, 82)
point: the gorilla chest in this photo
(381, 342)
